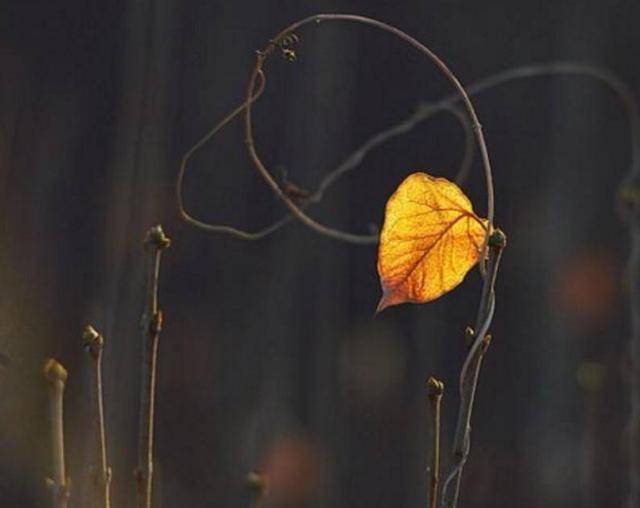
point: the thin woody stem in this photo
(633, 496)
(155, 242)
(93, 343)
(470, 372)
(56, 376)
(629, 201)
(435, 389)
(257, 485)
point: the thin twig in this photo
(155, 242)
(629, 203)
(93, 343)
(422, 113)
(435, 389)
(471, 370)
(56, 376)
(633, 429)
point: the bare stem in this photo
(435, 389)
(257, 485)
(629, 202)
(56, 376)
(93, 343)
(471, 370)
(155, 242)
(633, 425)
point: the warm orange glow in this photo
(293, 470)
(430, 240)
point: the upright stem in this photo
(470, 372)
(435, 389)
(56, 375)
(257, 485)
(93, 343)
(155, 242)
(629, 202)
(634, 355)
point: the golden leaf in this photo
(430, 239)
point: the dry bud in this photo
(54, 371)
(434, 387)
(156, 238)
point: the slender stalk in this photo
(471, 370)
(633, 426)
(629, 203)
(590, 376)
(435, 389)
(56, 376)
(257, 485)
(155, 242)
(93, 343)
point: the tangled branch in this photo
(283, 41)
(423, 112)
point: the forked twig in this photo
(151, 323)
(93, 343)
(59, 484)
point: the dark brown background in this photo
(271, 356)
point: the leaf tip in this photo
(382, 304)
(388, 299)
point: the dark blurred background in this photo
(271, 357)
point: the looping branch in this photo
(629, 192)
(263, 55)
(253, 90)
(423, 112)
